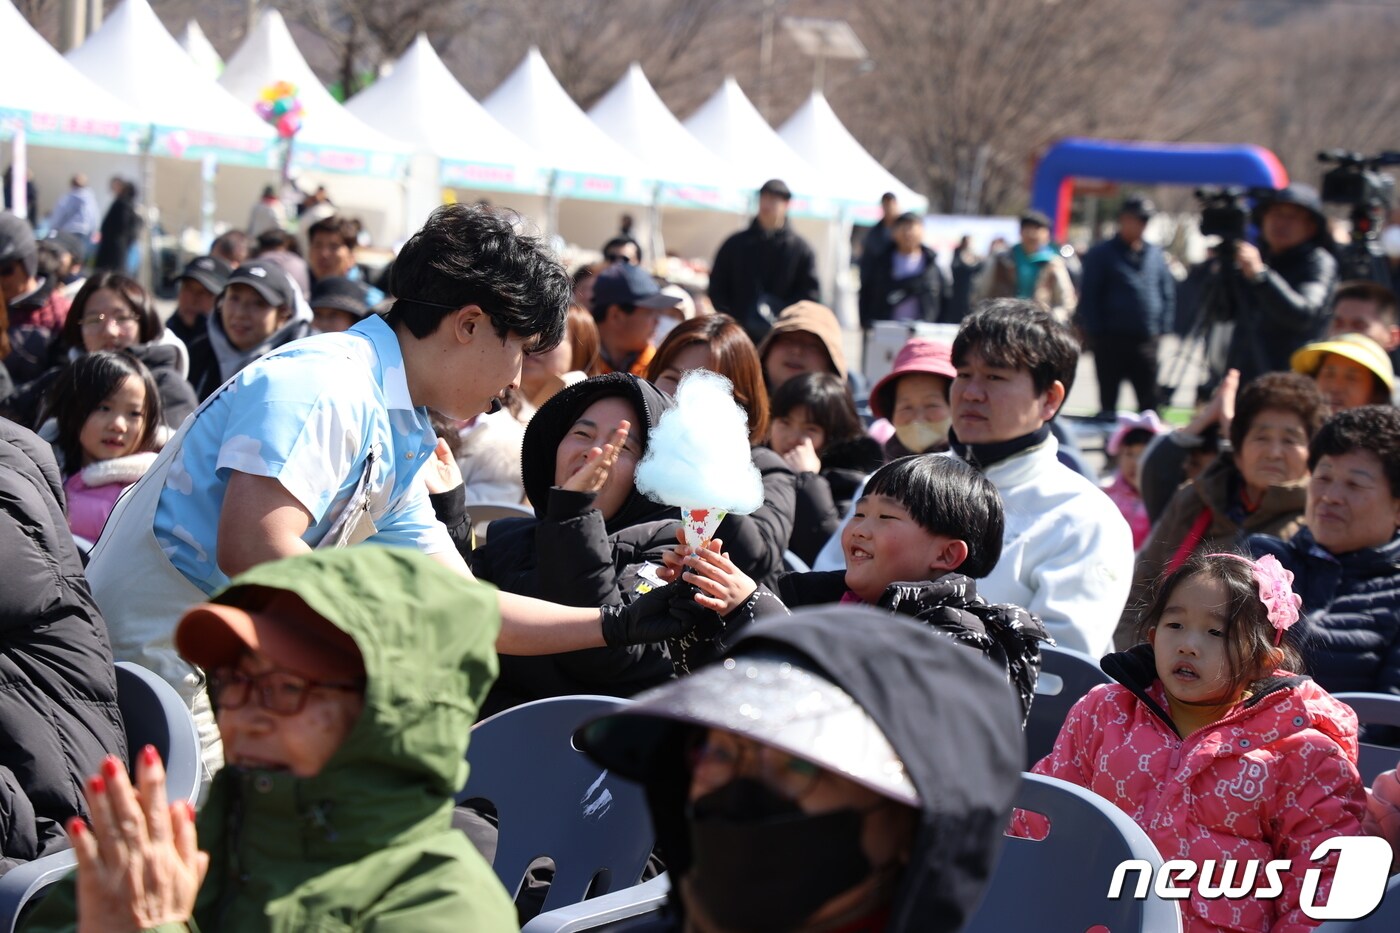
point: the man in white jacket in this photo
(1067, 553)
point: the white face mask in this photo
(1390, 241)
(919, 436)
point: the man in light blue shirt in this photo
(76, 212)
(321, 444)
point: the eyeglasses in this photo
(617, 257)
(718, 758)
(279, 692)
(91, 321)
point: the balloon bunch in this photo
(280, 106)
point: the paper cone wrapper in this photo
(700, 525)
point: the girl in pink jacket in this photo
(1214, 748)
(107, 411)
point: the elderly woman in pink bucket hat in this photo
(913, 399)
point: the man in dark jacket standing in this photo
(58, 711)
(1128, 300)
(761, 270)
(905, 282)
(1287, 284)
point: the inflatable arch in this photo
(1145, 163)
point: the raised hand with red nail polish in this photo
(139, 864)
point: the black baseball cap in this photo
(67, 242)
(778, 187)
(1138, 207)
(341, 294)
(208, 271)
(268, 280)
(630, 286)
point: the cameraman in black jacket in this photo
(1287, 284)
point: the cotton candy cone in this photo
(700, 525)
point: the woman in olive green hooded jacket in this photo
(366, 842)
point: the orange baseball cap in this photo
(285, 630)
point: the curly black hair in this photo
(471, 255)
(1374, 428)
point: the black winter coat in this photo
(882, 291)
(1350, 630)
(754, 267)
(1007, 635)
(1289, 308)
(120, 227)
(58, 708)
(1126, 292)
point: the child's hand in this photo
(599, 463)
(1382, 816)
(442, 472)
(723, 587)
(1220, 410)
(803, 458)
(673, 561)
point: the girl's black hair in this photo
(946, 496)
(83, 385)
(1138, 436)
(828, 403)
(1249, 636)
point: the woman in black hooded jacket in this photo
(583, 548)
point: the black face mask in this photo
(762, 865)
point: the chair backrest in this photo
(1374, 709)
(794, 564)
(484, 513)
(632, 910)
(553, 802)
(1067, 874)
(1065, 676)
(23, 883)
(155, 714)
(1384, 919)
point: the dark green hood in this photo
(428, 640)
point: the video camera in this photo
(1225, 211)
(1355, 181)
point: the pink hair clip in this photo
(1275, 583)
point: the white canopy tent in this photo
(592, 174)
(855, 176)
(459, 144)
(62, 124)
(698, 198)
(54, 104)
(730, 125)
(198, 47)
(198, 132)
(362, 167)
